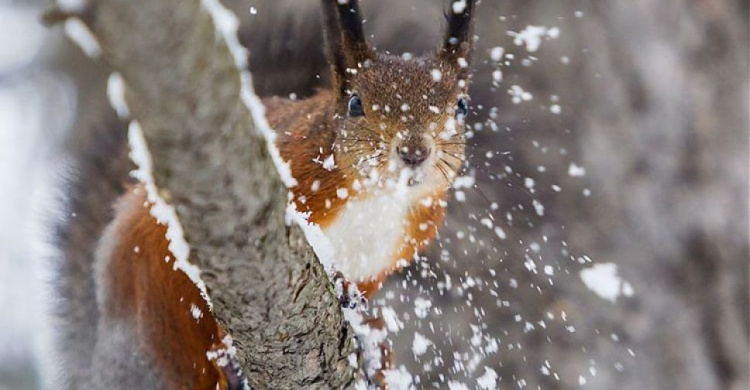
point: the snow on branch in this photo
(193, 102)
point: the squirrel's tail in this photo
(97, 179)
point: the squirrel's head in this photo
(399, 120)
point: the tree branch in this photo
(268, 289)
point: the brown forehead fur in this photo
(390, 81)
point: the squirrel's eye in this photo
(355, 106)
(462, 107)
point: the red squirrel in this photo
(373, 157)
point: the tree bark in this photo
(268, 289)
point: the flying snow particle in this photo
(459, 6)
(391, 320)
(420, 344)
(576, 170)
(497, 76)
(627, 289)
(422, 307)
(497, 53)
(463, 182)
(488, 380)
(399, 378)
(538, 207)
(603, 280)
(329, 163)
(195, 311)
(455, 385)
(437, 75)
(530, 264)
(519, 95)
(532, 36)
(529, 183)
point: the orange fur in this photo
(306, 142)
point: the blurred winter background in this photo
(606, 243)
(37, 105)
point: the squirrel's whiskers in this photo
(375, 155)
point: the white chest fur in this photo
(366, 235)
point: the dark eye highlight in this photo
(462, 107)
(355, 106)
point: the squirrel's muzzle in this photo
(413, 151)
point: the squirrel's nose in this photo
(413, 155)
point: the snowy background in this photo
(37, 104)
(605, 245)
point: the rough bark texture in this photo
(267, 287)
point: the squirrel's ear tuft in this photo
(346, 46)
(458, 41)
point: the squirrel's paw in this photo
(349, 295)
